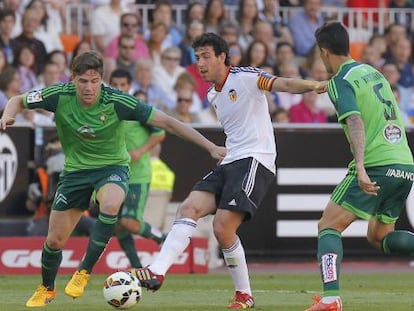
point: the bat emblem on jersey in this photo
(233, 95)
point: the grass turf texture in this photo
(286, 291)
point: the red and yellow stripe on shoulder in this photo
(265, 81)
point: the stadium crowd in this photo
(34, 54)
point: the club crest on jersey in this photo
(102, 118)
(34, 97)
(233, 95)
(392, 133)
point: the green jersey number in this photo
(389, 111)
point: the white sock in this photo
(235, 260)
(329, 299)
(176, 242)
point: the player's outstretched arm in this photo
(298, 86)
(13, 107)
(185, 131)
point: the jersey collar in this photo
(218, 87)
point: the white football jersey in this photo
(242, 110)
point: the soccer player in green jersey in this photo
(140, 139)
(89, 121)
(381, 173)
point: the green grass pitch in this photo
(278, 291)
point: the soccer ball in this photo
(122, 290)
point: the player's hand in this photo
(218, 152)
(321, 87)
(368, 186)
(6, 122)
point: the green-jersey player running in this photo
(381, 173)
(89, 120)
(140, 139)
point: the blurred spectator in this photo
(162, 13)
(247, 16)
(49, 30)
(401, 56)
(318, 72)
(229, 31)
(372, 56)
(284, 55)
(59, 57)
(280, 115)
(166, 74)
(271, 15)
(307, 111)
(50, 75)
(262, 30)
(105, 23)
(256, 54)
(182, 108)
(287, 100)
(141, 95)
(193, 30)
(17, 8)
(404, 114)
(7, 21)
(125, 59)
(121, 79)
(129, 24)
(214, 15)
(235, 54)
(186, 81)
(392, 74)
(25, 62)
(3, 60)
(303, 24)
(158, 32)
(393, 33)
(402, 18)
(9, 85)
(194, 12)
(142, 81)
(30, 23)
(379, 42)
(83, 46)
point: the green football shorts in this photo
(75, 188)
(135, 202)
(395, 183)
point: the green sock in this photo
(398, 242)
(149, 232)
(330, 254)
(100, 235)
(51, 259)
(126, 241)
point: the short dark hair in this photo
(334, 37)
(7, 12)
(91, 60)
(6, 77)
(218, 44)
(121, 73)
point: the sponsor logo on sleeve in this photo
(34, 97)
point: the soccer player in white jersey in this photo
(234, 189)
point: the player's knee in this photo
(55, 242)
(188, 210)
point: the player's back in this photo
(386, 141)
